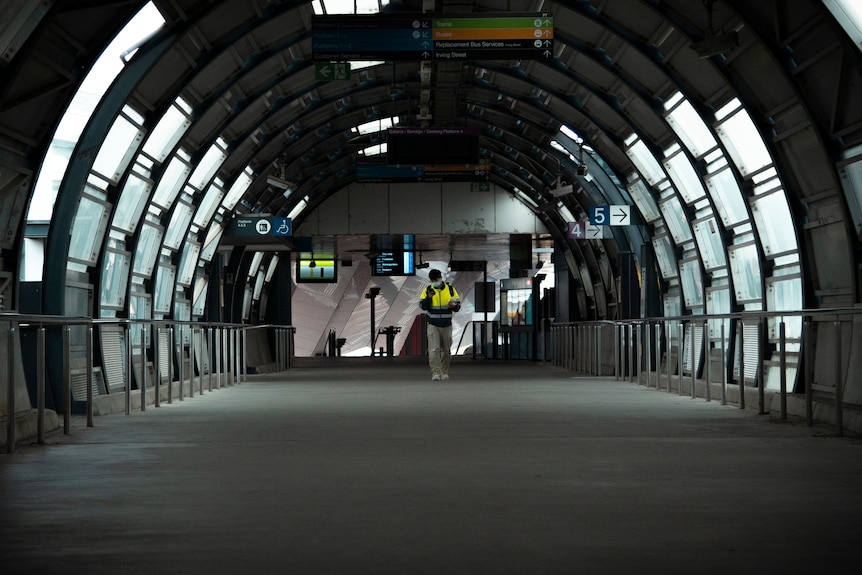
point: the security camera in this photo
(582, 170)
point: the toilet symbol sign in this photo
(260, 226)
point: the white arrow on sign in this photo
(594, 232)
(620, 215)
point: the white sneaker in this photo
(435, 377)
(444, 376)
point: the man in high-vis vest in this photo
(440, 301)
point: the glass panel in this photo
(851, 181)
(710, 243)
(188, 263)
(115, 276)
(676, 220)
(88, 229)
(848, 13)
(237, 190)
(117, 149)
(171, 183)
(212, 241)
(743, 143)
(665, 256)
(685, 178)
(718, 302)
(179, 225)
(246, 302)
(182, 309)
(208, 206)
(208, 166)
(745, 270)
(200, 294)
(644, 201)
(273, 264)
(774, 223)
(645, 162)
(140, 306)
(691, 129)
(785, 295)
(727, 197)
(134, 197)
(255, 263)
(258, 285)
(164, 288)
(167, 133)
(149, 240)
(692, 283)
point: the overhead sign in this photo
(329, 71)
(586, 231)
(382, 173)
(467, 265)
(613, 215)
(494, 37)
(346, 37)
(260, 226)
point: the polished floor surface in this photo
(367, 466)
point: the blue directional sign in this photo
(614, 215)
(599, 215)
(346, 37)
(282, 227)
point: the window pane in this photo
(115, 275)
(785, 295)
(171, 183)
(718, 302)
(208, 206)
(207, 167)
(237, 190)
(117, 150)
(851, 181)
(88, 229)
(710, 243)
(135, 194)
(691, 129)
(644, 201)
(774, 223)
(676, 220)
(692, 283)
(200, 293)
(727, 197)
(212, 241)
(685, 178)
(743, 143)
(164, 288)
(188, 263)
(665, 256)
(179, 225)
(147, 249)
(645, 162)
(166, 134)
(745, 270)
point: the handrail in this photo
(227, 342)
(635, 340)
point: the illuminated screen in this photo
(393, 263)
(316, 271)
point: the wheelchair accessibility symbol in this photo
(282, 227)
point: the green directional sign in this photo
(480, 186)
(327, 72)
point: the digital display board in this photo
(393, 263)
(316, 271)
(432, 146)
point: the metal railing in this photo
(210, 345)
(747, 353)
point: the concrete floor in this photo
(366, 466)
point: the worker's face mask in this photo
(437, 284)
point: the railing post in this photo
(209, 337)
(40, 386)
(723, 364)
(839, 400)
(631, 342)
(669, 337)
(707, 370)
(762, 338)
(89, 352)
(648, 352)
(693, 359)
(782, 341)
(10, 390)
(808, 364)
(171, 354)
(157, 366)
(130, 365)
(192, 361)
(741, 364)
(680, 350)
(200, 355)
(67, 377)
(244, 364)
(181, 360)
(143, 385)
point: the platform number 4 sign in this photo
(576, 230)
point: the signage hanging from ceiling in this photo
(486, 36)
